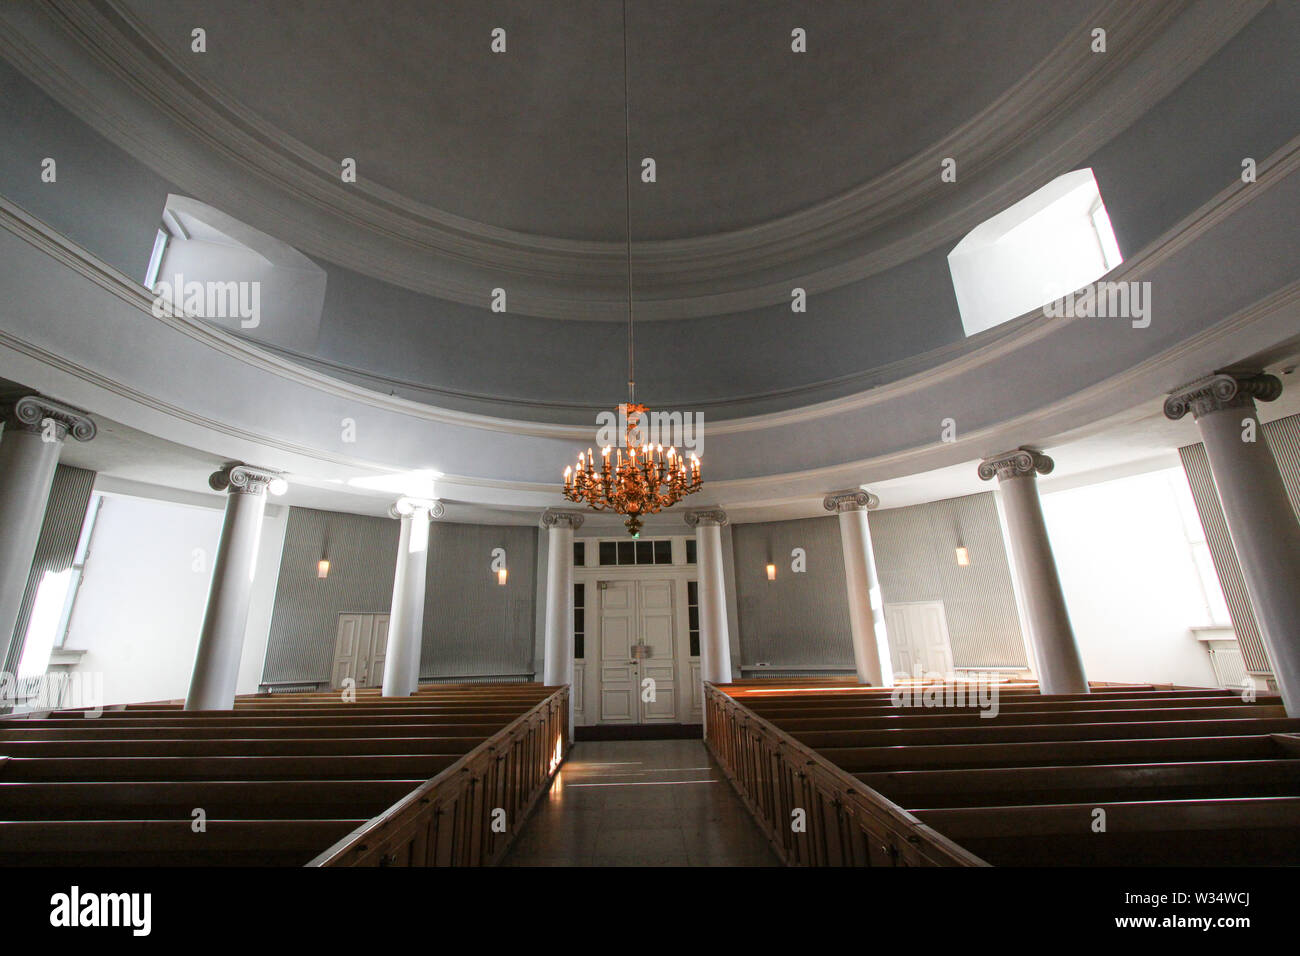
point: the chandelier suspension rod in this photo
(627, 197)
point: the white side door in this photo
(918, 638)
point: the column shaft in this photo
(34, 431)
(1264, 534)
(406, 613)
(715, 641)
(558, 666)
(27, 466)
(866, 606)
(1056, 654)
(221, 640)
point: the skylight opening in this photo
(1051, 243)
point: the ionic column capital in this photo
(851, 499)
(1017, 463)
(558, 518)
(1221, 390)
(238, 478)
(30, 413)
(705, 516)
(414, 507)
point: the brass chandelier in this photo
(642, 479)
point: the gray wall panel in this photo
(304, 624)
(800, 619)
(472, 625)
(915, 551)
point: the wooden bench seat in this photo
(1039, 753)
(966, 717)
(242, 746)
(224, 799)
(353, 767)
(993, 732)
(1099, 783)
(1258, 831)
(168, 842)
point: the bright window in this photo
(1051, 243)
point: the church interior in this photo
(628, 433)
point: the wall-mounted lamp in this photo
(502, 574)
(323, 565)
(963, 558)
(771, 572)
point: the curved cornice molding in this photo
(101, 63)
(980, 350)
(1219, 339)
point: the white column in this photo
(560, 525)
(1261, 522)
(866, 606)
(34, 431)
(221, 640)
(715, 642)
(406, 613)
(1056, 653)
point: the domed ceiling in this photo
(743, 130)
(776, 170)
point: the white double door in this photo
(918, 638)
(359, 650)
(638, 674)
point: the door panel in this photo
(636, 644)
(359, 649)
(618, 679)
(656, 620)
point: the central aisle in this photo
(640, 803)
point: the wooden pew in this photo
(277, 782)
(1184, 776)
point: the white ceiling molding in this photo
(100, 63)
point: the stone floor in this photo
(640, 803)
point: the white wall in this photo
(1130, 578)
(142, 597)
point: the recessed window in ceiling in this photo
(1051, 243)
(215, 268)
